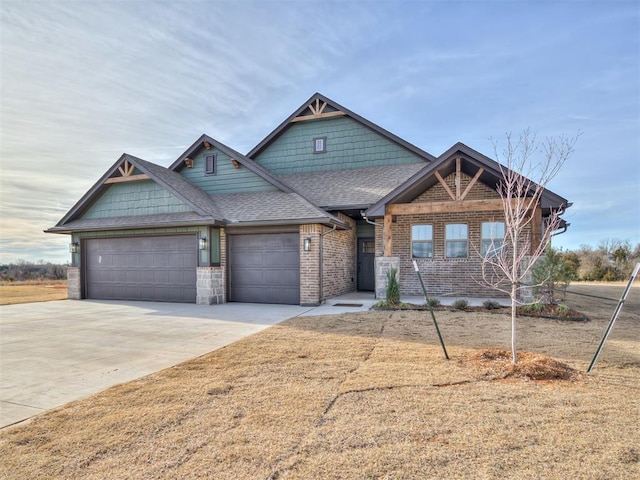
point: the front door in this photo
(366, 255)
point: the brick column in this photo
(210, 286)
(74, 292)
(383, 265)
(310, 266)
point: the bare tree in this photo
(527, 166)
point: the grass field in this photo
(363, 396)
(32, 291)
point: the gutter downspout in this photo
(564, 229)
(322, 234)
(366, 219)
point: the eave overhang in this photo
(472, 163)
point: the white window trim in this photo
(430, 241)
(448, 241)
(315, 144)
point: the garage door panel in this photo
(273, 259)
(291, 259)
(142, 268)
(264, 268)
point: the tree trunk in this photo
(514, 292)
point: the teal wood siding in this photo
(227, 179)
(142, 197)
(348, 145)
(364, 229)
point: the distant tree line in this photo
(23, 270)
(611, 260)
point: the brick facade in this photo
(310, 265)
(339, 260)
(453, 277)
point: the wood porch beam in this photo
(458, 181)
(388, 235)
(317, 116)
(444, 185)
(130, 178)
(444, 207)
(472, 183)
(536, 229)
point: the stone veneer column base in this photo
(210, 286)
(383, 265)
(74, 292)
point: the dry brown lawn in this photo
(32, 291)
(363, 396)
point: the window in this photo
(422, 241)
(210, 164)
(319, 145)
(492, 238)
(456, 240)
(368, 247)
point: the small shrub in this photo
(534, 307)
(461, 304)
(433, 302)
(393, 288)
(491, 305)
(563, 309)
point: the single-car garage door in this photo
(264, 268)
(158, 269)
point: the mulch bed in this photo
(551, 312)
(496, 364)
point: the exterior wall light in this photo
(73, 247)
(307, 244)
(202, 243)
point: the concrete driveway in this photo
(54, 352)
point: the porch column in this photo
(388, 235)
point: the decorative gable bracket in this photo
(317, 108)
(458, 196)
(126, 170)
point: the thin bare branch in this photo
(526, 166)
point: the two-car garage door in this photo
(158, 269)
(262, 268)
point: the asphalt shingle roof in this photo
(354, 187)
(268, 206)
(181, 188)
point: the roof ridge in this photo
(367, 123)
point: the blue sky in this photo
(84, 81)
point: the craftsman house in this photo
(319, 207)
